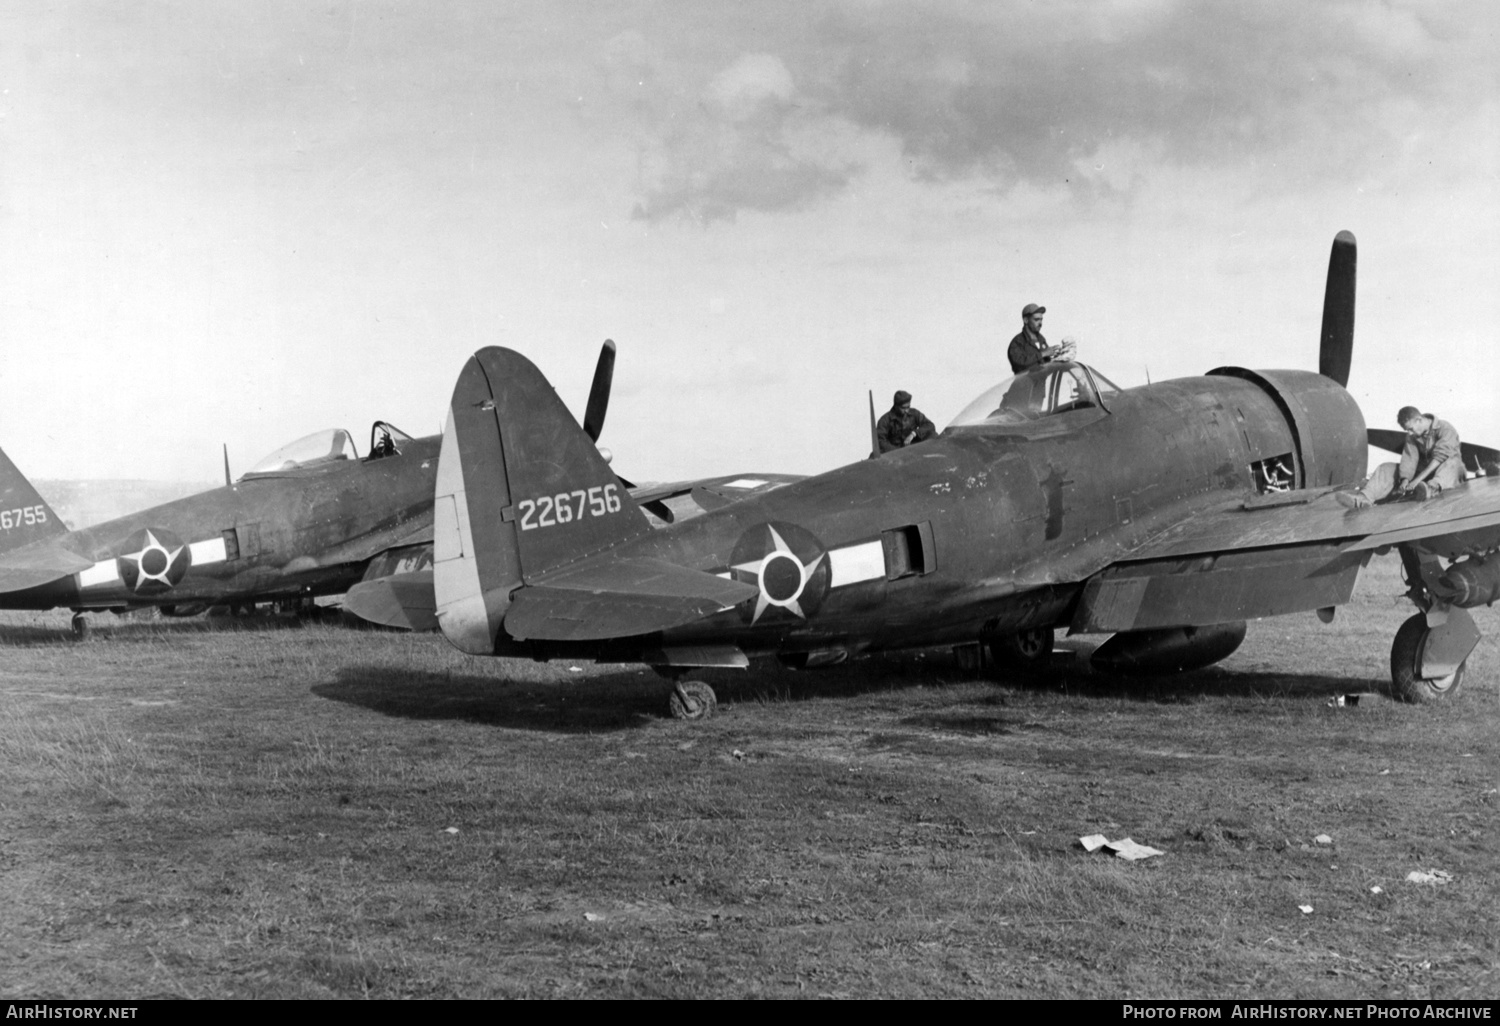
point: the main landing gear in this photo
(1029, 651)
(1430, 649)
(79, 626)
(690, 699)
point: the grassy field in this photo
(252, 809)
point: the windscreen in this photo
(320, 447)
(1036, 393)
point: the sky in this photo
(241, 222)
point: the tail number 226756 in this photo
(565, 507)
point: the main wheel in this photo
(1407, 683)
(80, 626)
(1027, 650)
(693, 700)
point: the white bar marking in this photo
(210, 550)
(856, 563)
(744, 482)
(103, 572)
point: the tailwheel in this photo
(692, 700)
(80, 626)
(1030, 649)
(1408, 653)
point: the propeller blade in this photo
(604, 373)
(1390, 441)
(874, 441)
(226, 464)
(1338, 310)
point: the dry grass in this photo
(250, 809)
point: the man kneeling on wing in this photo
(1431, 461)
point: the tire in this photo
(693, 700)
(1406, 660)
(1029, 650)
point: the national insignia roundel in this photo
(153, 561)
(788, 564)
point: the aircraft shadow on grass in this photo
(630, 699)
(131, 631)
(617, 701)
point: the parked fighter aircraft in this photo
(1167, 514)
(312, 518)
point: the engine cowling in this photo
(1329, 441)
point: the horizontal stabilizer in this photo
(404, 601)
(619, 598)
(39, 563)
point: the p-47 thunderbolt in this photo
(1166, 515)
(312, 518)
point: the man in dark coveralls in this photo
(1030, 347)
(901, 425)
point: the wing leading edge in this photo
(1239, 563)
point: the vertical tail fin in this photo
(24, 514)
(520, 490)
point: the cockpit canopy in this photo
(1041, 391)
(328, 446)
(331, 445)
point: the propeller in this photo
(227, 479)
(593, 418)
(1338, 310)
(604, 373)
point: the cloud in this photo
(740, 146)
(1084, 97)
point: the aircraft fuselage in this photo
(303, 532)
(963, 536)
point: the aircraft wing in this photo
(713, 492)
(400, 600)
(39, 563)
(614, 598)
(1276, 554)
(417, 531)
(1316, 516)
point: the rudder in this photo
(520, 490)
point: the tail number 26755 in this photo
(25, 515)
(565, 507)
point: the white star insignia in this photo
(153, 545)
(758, 567)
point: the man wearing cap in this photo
(1431, 461)
(1030, 348)
(901, 425)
